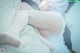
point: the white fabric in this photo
(8, 9)
(31, 42)
(58, 5)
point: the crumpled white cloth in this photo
(30, 43)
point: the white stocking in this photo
(18, 25)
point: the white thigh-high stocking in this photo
(6, 38)
(12, 35)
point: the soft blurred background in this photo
(74, 15)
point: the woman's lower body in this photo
(41, 15)
(59, 47)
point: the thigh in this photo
(47, 20)
(43, 14)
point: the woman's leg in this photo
(51, 21)
(11, 35)
(18, 25)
